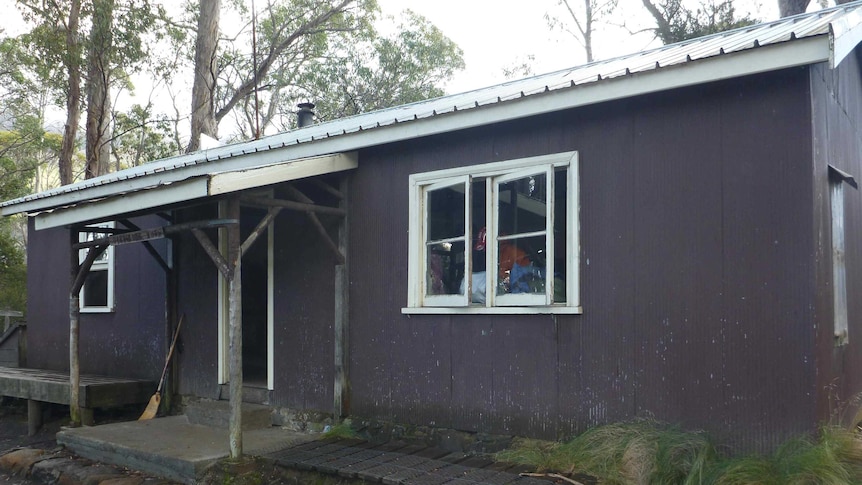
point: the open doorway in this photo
(255, 301)
(257, 306)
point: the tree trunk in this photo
(787, 8)
(98, 149)
(203, 88)
(73, 97)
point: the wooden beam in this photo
(84, 268)
(327, 188)
(74, 316)
(291, 205)
(235, 330)
(258, 230)
(341, 394)
(149, 247)
(223, 267)
(339, 257)
(154, 233)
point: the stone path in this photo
(397, 463)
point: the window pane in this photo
(523, 205)
(445, 269)
(96, 289)
(446, 213)
(521, 265)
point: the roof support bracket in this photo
(315, 221)
(214, 254)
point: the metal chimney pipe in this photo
(305, 115)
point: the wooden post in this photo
(235, 329)
(74, 317)
(341, 391)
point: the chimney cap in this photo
(305, 115)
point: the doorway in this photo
(257, 306)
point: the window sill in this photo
(97, 310)
(510, 310)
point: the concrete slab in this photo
(170, 447)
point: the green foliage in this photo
(676, 22)
(342, 430)
(407, 66)
(141, 137)
(646, 452)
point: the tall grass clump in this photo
(651, 453)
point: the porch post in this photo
(341, 392)
(74, 317)
(235, 328)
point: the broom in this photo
(153, 406)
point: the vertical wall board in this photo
(304, 313)
(822, 234)
(421, 359)
(597, 372)
(836, 98)
(371, 339)
(197, 299)
(767, 268)
(48, 298)
(677, 228)
(128, 342)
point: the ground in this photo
(13, 436)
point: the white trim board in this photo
(211, 184)
(771, 57)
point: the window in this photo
(97, 294)
(495, 238)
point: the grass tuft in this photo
(647, 452)
(342, 430)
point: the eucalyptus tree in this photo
(230, 71)
(79, 51)
(411, 64)
(579, 19)
(676, 21)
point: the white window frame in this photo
(494, 174)
(107, 264)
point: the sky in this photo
(498, 33)
(495, 34)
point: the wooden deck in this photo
(39, 385)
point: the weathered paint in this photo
(697, 293)
(128, 342)
(837, 140)
(705, 275)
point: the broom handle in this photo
(170, 353)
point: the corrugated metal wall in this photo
(129, 342)
(837, 123)
(697, 276)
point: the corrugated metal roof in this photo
(834, 26)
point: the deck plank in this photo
(53, 386)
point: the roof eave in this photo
(797, 52)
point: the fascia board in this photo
(772, 57)
(845, 34)
(134, 201)
(226, 182)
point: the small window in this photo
(495, 238)
(97, 294)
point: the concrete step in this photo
(216, 414)
(170, 447)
